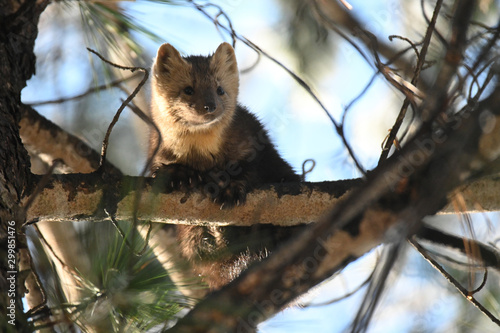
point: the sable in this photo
(209, 141)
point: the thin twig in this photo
(144, 117)
(359, 96)
(86, 93)
(488, 256)
(483, 283)
(373, 77)
(376, 287)
(453, 58)
(43, 304)
(345, 296)
(465, 293)
(125, 238)
(125, 103)
(309, 170)
(44, 240)
(491, 74)
(146, 169)
(122, 106)
(413, 45)
(428, 21)
(455, 262)
(420, 63)
(486, 49)
(252, 66)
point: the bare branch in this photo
(335, 17)
(439, 100)
(420, 63)
(279, 204)
(123, 105)
(47, 137)
(485, 255)
(89, 91)
(77, 197)
(465, 293)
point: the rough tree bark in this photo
(18, 30)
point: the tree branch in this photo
(334, 16)
(48, 138)
(84, 197)
(482, 253)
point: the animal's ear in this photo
(224, 59)
(167, 58)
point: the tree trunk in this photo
(18, 30)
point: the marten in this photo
(211, 143)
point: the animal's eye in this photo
(220, 91)
(189, 90)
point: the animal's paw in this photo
(218, 186)
(227, 194)
(177, 177)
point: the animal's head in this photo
(196, 91)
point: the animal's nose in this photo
(210, 107)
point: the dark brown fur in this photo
(208, 141)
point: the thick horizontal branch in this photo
(87, 196)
